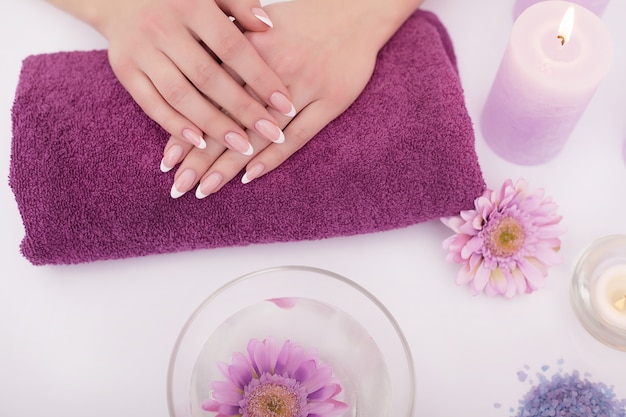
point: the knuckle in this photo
(246, 107)
(299, 135)
(175, 93)
(232, 46)
(151, 24)
(204, 75)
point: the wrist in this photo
(91, 12)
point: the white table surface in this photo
(95, 339)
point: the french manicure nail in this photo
(282, 104)
(240, 143)
(270, 131)
(183, 183)
(262, 16)
(208, 185)
(252, 173)
(193, 138)
(171, 158)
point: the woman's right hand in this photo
(167, 54)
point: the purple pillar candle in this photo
(596, 6)
(556, 57)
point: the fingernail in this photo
(171, 158)
(193, 138)
(238, 142)
(262, 16)
(270, 131)
(252, 173)
(282, 104)
(208, 185)
(183, 183)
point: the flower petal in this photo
(240, 371)
(325, 392)
(498, 281)
(210, 405)
(289, 358)
(320, 377)
(320, 407)
(481, 277)
(534, 277)
(519, 280)
(226, 392)
(305, 370)
(265, 354)
(473, 245)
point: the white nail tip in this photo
(249, 151)
(281, 138)
(164, 168)
(199, 194)
(245, 179)
(265, 20)
(202, 144)
(292, 112)
(174, 193)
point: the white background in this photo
(95, 339)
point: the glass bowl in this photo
(592, 301)
(351, 331)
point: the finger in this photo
(224, 168)
(216, 83)
(229, 164)
(174, 152)
(300, 130)
(145, 94)
(232, 47)
(183, 97)
(194, 163)
(213, 81)
(248, 13)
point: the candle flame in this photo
(567, 26)
(621, 304)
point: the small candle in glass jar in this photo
(608, 296)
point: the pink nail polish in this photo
(282, 104)
(240, 143)
(270, 131)
(252, 173)
(183, 183)
(171, 158)
(262, 16)
(193, 138)
(208, 185)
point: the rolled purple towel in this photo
(85, 162)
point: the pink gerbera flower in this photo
(508, 241)
(275, 381)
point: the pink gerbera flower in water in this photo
(507, 242)
(275, 381)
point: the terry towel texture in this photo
(85, 162)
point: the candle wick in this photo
(562, 38)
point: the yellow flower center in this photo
(505, 237)
(273, 400)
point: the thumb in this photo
(248, 14)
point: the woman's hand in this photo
(166, 53)
(325, 52)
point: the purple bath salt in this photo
(569, 396)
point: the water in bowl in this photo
(340, 341)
